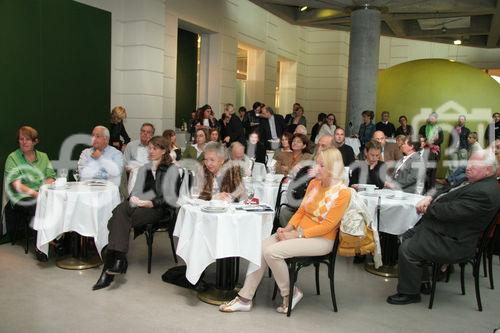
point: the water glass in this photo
(76, 175)
(62, 173)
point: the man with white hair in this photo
(450, 227)
(101, 161)
(301, 129)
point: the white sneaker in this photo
(297, 296)
(236, 305)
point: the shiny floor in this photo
(36, 297)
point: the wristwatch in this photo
(300, 231)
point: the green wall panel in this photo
(187, 68)
(55, 60)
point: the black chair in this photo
(297, 263)
(166, 223)
(493, 248)
(474, 260)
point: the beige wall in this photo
(144, 57)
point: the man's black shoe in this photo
(402, 299)
(425, 288)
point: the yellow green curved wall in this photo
(450, 88)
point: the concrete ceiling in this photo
(475, 22)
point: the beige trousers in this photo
(275, 252)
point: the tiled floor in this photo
(38, 297)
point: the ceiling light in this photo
(457, 42)
(303, 8)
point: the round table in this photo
(205, 238)
(267, 192)
(82, 207)
(393, 213)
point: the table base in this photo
(384, 270)
(216, 296)
(78, 263)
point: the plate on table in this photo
(213, 209)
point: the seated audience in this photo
(255, 149)
(214, 135)
(195, 151)
(347, 152)
(386, 126)
(285, 162)
(101, 161)
(474, 146)
(404, 129)
(450, 227)
(300, 129)
(242, 112)
(175, 151)
(136, 153)
(153, 196)
(237, 155)
(390, 151)
(26, 170)
(310, 232)
(117, 130)
(371, 170)
(221, 180)
(317, 126)
(328, 127)
(409, 172)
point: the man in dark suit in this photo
(272, 127)
(252, 119)
(409, 172)
(450, 227)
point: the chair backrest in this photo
(485, 238)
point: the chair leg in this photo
(435, 272)
(485, 273)
(171, 236)
(275, 291)
(331, 275)
(316, 268)
(293, 277)
(149, 239)
(490, 269)
(462, 278)
(476, 284)
(27, 235)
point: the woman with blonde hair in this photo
(310, 232)
(117, 129)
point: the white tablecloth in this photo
(397, 215)
(205, 237)
(354, 143)
(81, 208)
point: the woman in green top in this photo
(26, 170)
(195, 151)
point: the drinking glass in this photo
(62, 173)
(76, 175)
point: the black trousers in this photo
(126, 217)
(19, 215)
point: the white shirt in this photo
(108, 166)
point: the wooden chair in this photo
(474, 260)
(295, 264)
